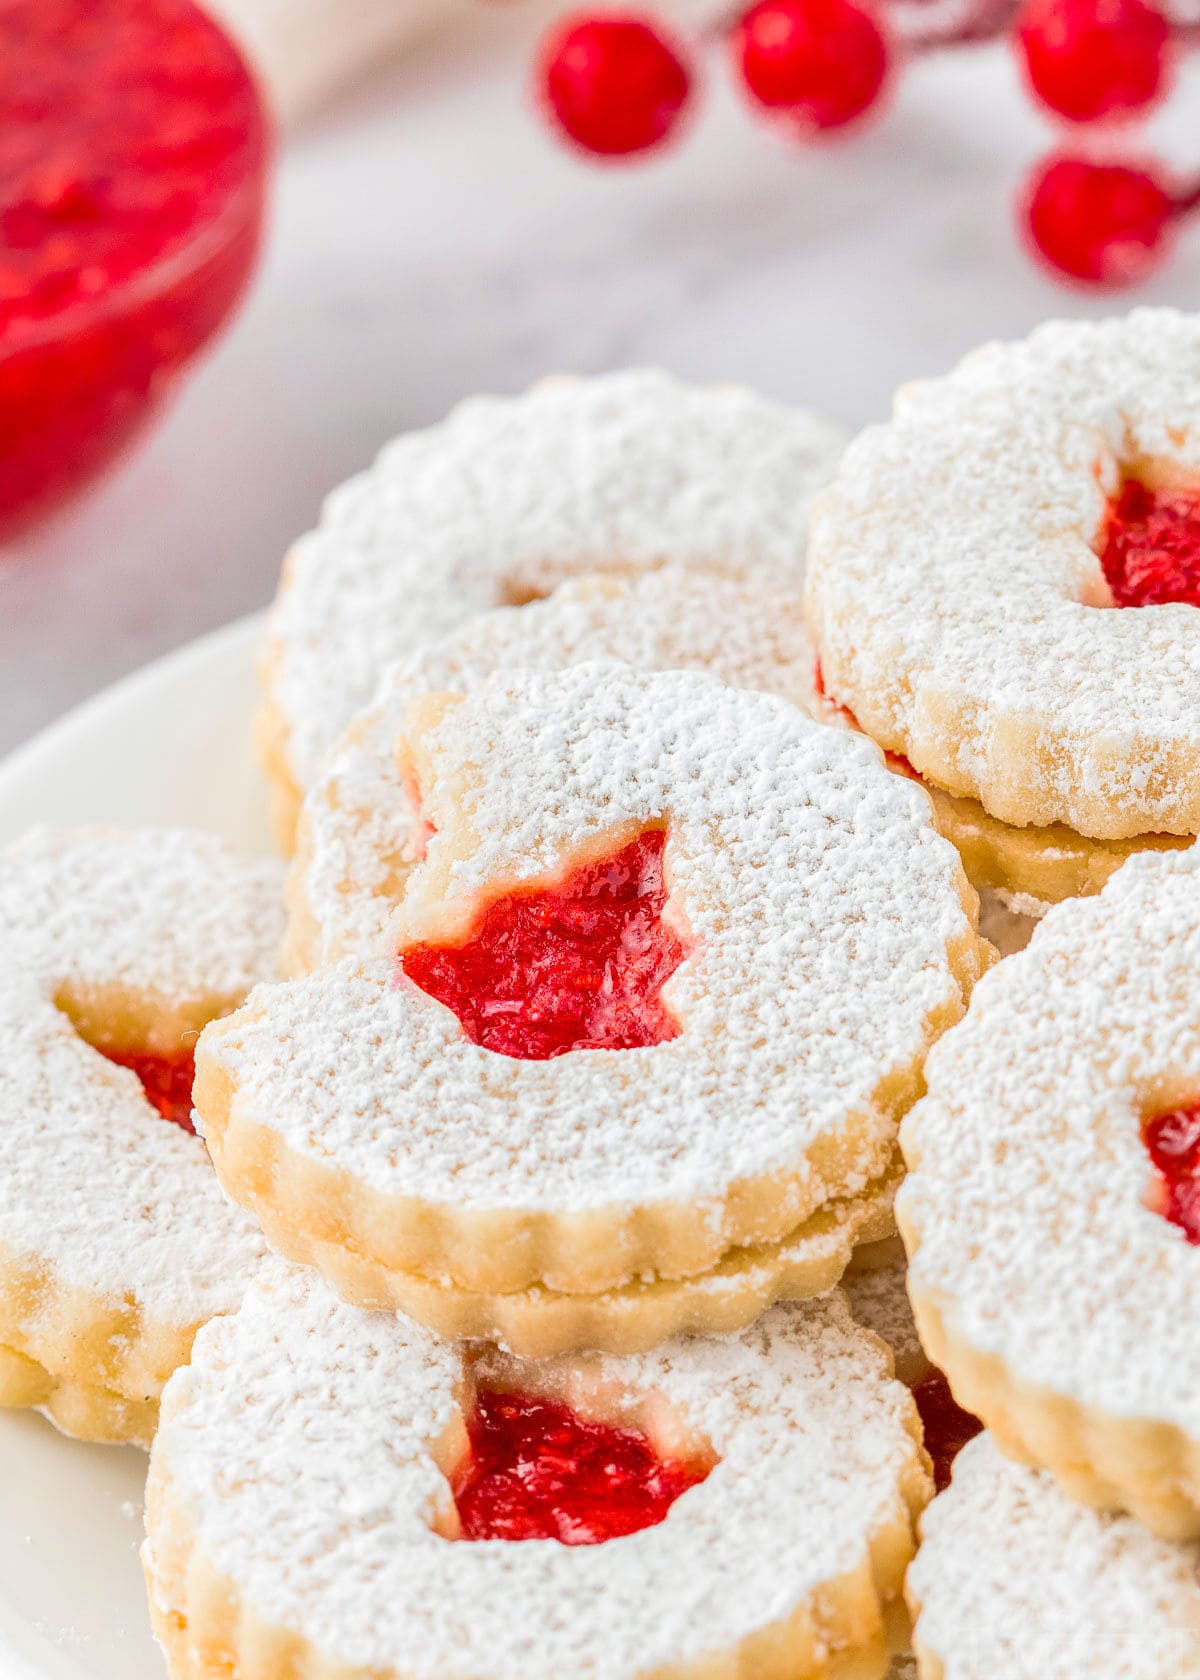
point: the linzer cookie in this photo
(1013, 1581)
(659, 990)
(337, 1491)
(1052, 1213)
(116, 1241)
(1002, 591)
(508, 498)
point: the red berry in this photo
(133, 157)
(614, 84)
(820, 64)
(1105, 223)
(1094, 59)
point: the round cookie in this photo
(1052, 1209)
(116, 1241)
(970, 577)
(330, 1491)
(663, 983)
(354, 848)
(1013, 1579)
(508, 498)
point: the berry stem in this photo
(1186, 200)
(980, 24)
(969, 26)
(1185, 31)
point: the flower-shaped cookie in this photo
(659, 991)
(337, 1491)
(1003, 586)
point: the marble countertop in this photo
(429, 240)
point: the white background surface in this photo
(430, 240)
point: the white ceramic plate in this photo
(170, 744)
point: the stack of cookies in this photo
(641, 757)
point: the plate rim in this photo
(97, 709)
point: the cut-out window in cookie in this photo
(576, 966)
(1173, 1144)
(1150, 545)
(166, 1080)
(166, 1076)
(537, 1470)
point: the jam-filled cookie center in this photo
(1150, 546)
(1173, 1143)
(538, 1471)
(577, 966)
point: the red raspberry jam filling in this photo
(947, 1427)
(1150, 550)
(578, 966)
(894, 761)
(1173, 1144)
(537, 1471)
(133, 154)
(166, 1080)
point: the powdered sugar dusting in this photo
(359, 818)
(989, 488)
(820, 906)
(95, 1185)
(297, 1445)
(1013, 1579)
(509, 497)
(1027, 1197)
